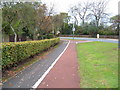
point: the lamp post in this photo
(73, 29)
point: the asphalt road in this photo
(28, 77)
(92, 39)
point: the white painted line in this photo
(44, 75)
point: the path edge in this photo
(48, 70)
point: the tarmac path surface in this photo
(64, 74)
(28, 77)
(59, 69)
(93, 39)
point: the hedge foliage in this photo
(14, 52)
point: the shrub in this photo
(49, 36)
(13, 53)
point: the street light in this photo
(73, 29)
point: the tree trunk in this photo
(76, 21)
(15, 38)
(83, 22)
(97, 23)
(19, 37)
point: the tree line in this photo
(91, 18)
(23, 21)
(33, 21)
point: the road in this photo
(92, 39)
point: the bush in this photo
(106, 32)
(49, 36)
(13, 53)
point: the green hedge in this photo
(13, 53)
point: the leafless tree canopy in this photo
(80, 10)
(98, 10)
(89, 10)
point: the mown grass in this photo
(98, 64)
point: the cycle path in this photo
(29, 76)
(64, 74)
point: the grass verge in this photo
(98, 64)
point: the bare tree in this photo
(98, 10)
(80, 10)
(74, 14)
(51, 10)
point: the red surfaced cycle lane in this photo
(64, 74)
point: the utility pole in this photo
(73, 29)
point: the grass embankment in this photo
(98, 64)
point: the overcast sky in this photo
(64, 5)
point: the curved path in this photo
(29, 76)
(92, 39)
(65, 72)
(58, 69)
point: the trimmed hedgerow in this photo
(14, 52)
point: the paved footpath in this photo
(93, 39)
(29, 76)
(65, 72)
